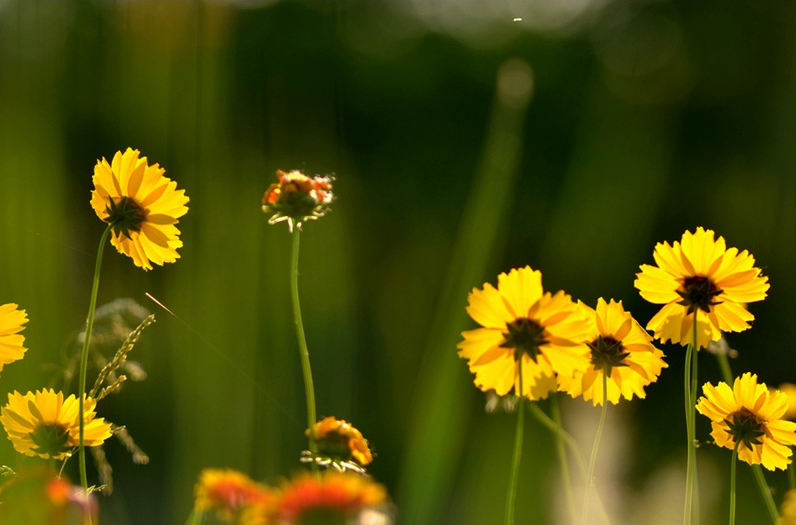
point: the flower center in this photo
(124, 216)
(698, 292)
(51, 439)
(524, 336)
(607, 353)
(745, 428)
(334, 444)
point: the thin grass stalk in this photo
(593, 458)
(511, 496)
(760, 477)
(92, 306)
(304, 352)
(792, 476)
(555, 410)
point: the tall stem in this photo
(593, 460)
(732, 484)
(304, 353)
(555, 409)
(691, 361)
(92, 306)
(515, 462)
(760, 478)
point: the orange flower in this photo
(339, 439)
(297, 198)
(227, 492)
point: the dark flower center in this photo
(524, 336)
(698, 292)
(334, 444)
(607, 353)
(51, 439)
(125, 216)
(745, 428)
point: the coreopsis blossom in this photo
(789, 389)
(12, 321)
(621, 350)
(700, 276)
(227, 493)
(523, 326)
(45, 424)
(333, 498)
(787, 511)
(297, 198)
(141, 206)
(340, 444)
(748, 416)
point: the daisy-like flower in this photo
(621, 350)
(142, 207)
(700, 276)
(228, 492)
(12, 321)
(45, 424)
(524, 326)
(749, 417)
(340, 443)
(334, 498)
(297, 198)
(787, 512)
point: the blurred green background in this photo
(646, 119)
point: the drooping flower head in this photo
(340, 443)
(297, 198)
(12, 321)
(38, 496)
(228, 493)
(333, 498)
(521, 323)
(45, 424)
(700, 276)
(620, 349)
(142, 207)
(750, 417)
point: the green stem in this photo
(555, 409)
(84, 360)
(760, 478)
(304, 353)
(515, 462)
(792, 476)
(593, 460)
(732, 484)
(691, 359)
(771, 507)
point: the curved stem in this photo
(92, 306)
(732, 484)
(771, 507)
(304, 353)
(691, 361)
(593, 460)
(515, 462)
(555, 409)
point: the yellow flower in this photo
(297, 198)
(699, 275)
(11, 323)
(339, 440)
(787, 512)
(47, 425)
(621, 349)
(750, 417)
(521, 323)
(333, 497)
(228, 492)
(142, 207)
(789, 390)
